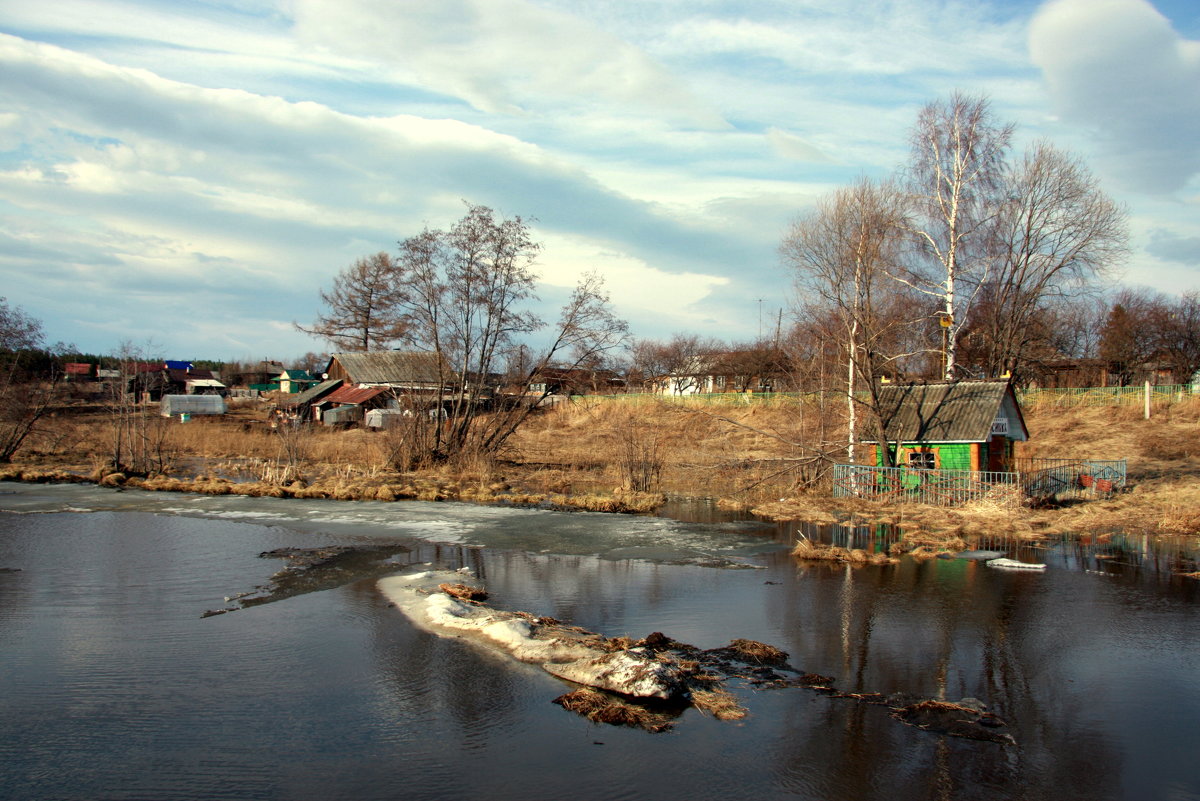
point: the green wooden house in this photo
(956, 425)
(293, 381)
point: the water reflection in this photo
(115, 687)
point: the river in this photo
(116, 686)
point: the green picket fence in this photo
(1060, 397)
(702, 399)
(1069, 398)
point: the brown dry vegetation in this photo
(621, 457)
(741, 454)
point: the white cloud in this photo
(875, 38)
(794, 147)
(195, 190)
(503, 56)
(1118, 67)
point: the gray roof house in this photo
(412, 371)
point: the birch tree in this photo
(955, 184)
(842, 255)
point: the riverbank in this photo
(613, 457)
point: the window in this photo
(922, 460)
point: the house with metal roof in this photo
(348, 404)
(294, 381)
(299, 406)
(958, 425)
(163, 380)
(405, 371)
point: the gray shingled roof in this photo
(390, 367)
(309, 395)
(961, 411)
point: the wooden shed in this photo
(956, 425)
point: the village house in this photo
(574, 381)
(294, 381)
(78, 371)
(407, 372)
(175, 378)
(759, 370)
(349, 404)
(958, 425)
(300, 407)
(260, 376)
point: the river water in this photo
(115, 686)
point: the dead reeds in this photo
(600, 707)
(758, 653)
(816, 551)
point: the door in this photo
(997, 461)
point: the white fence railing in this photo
(1036, 479)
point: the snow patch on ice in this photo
(631, 672)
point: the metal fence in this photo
(1070, 478)
(1035, 479)
(1069, 398)
(1066, 398)
(935, 487)
(703, 399)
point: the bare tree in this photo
(138, 442)
(955, 182)
(1178, 335)
(18, 331)
(1129, 339)
(760, 365)
(463, 294)
(677, 366)
(842, 255)
(311, 362)
(362, 307)
(1056, 232)
(26, 387)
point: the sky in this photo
(187, 176)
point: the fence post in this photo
(1147, 400)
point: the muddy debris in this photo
(963, 719)
(314, 569)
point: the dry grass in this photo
(821, 552)
(1164, 444)
(578, 457)
(600, 707)
(463, 592)
(720, 703)
(758, 652)
(725, 451)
